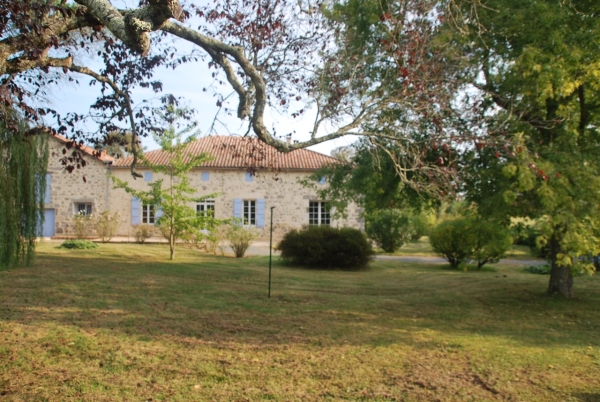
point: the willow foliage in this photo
(22, 185)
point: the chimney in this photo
(288, 139)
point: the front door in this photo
(48, 228)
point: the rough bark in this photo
(133, 27)
(561, 281)
(561, 277)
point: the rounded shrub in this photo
(390, 229)
(453, 240)
(462, 240)
(326, 248)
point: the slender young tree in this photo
(175, 198)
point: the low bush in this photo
(543, 269)
(462, 240)
(453, 240)
(106, 225)
(143, 232)
(239, 238)
(82, 224)
(79, 244)
(390, 229)
(326, 247)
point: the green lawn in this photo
(122, 323)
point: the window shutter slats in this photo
(48, 186)
(135, 211)
(260, 213)
(237, 208)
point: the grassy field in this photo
(123, 323)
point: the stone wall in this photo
(281, 190)
(68, 189)
(278, 189)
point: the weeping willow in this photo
(22, 191)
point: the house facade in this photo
(246, 177)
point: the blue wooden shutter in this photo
(148, 176)
(260, 213)
(249, 177)
(47, 195)
(159, 213)
(205, 176)
(238, 206)
(322, 180)
(135, 211)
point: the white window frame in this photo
(86, 207)
(249, 213)
(148, 214)
(319, 213)
(203, 207)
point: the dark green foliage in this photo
(389, 229)
(326, 247)
(539, 269)
(369, 179)
(528, 236)
(22, 186)
(420, 225)
(462, 240)
(79, 244)
(492, 241)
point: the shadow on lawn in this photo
(223, 301)
(588, 397)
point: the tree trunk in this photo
(172, 245)
(561, 281)
(561, 278)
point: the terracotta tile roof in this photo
(242, 152)
(85, 149)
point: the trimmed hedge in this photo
(326, 248)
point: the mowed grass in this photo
(122, 323)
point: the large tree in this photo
(292, 56)
(538, 68)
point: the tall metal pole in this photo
(270, 252)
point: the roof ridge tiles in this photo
(242, 152)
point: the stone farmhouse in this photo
(248, 176)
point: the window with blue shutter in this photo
(205, 176)
(47, 195)
(322, 180)
(135, 211)
(249, 177)
(260, 213)
(238, 204)
(148, 176)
